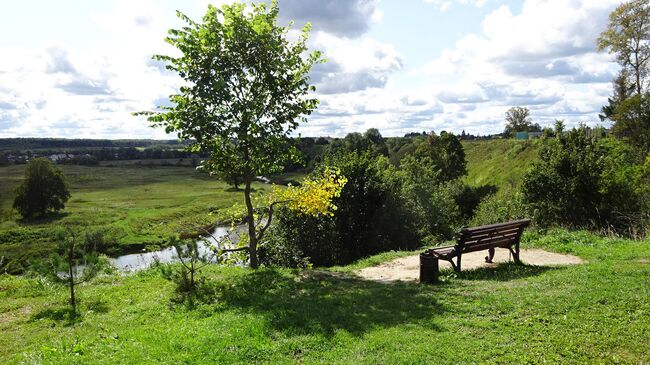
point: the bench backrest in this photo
(481, 238)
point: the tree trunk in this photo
(192, 275)
(250, 220)
(637, 69)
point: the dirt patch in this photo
(408, 268)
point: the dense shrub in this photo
(430, 198)
(504, 207)
(380, 208)
(367, 220)
(633, 121)
(446, 155)
(586, 182)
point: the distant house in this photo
(521, 136)
(59, 157)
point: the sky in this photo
(78, 68)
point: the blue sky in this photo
(79, 68)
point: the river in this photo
(139, 261)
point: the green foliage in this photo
(563, 187)
(370, 218)
(504, 207)
(633, 122)
(518, 120)
(430, 200)
(44, 189)
(468, 198)
(246, 89)
(585, 182)
(371, 142)
(623, 89)
(627, 37)
(446, 155)
(380, 208)
(185, 275)
(76, 262)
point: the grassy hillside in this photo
(134, 206)
(499, 162)
(592, 313)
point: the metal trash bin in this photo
(428, 268)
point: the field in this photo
(593, 313)
(134, 206)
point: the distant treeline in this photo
(94, 151)
(22, 144)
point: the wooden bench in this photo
(472, 239)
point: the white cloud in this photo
(543, 58)
(444, 5)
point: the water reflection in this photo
(139, 261)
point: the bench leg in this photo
(490, 255)
(457, 268)
(515, 254)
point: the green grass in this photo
(598, 312)
(136, 207)
(500, 162)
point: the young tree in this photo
(247, 88)
(76, 263)
(192, 261)
(628, 37)
(44, 188)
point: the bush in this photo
(429, 198)
(504, 207)
(582, 182)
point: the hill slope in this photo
(500, 162)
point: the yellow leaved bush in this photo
(314, 197)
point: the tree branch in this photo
(263, 229)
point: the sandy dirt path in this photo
(408, 268)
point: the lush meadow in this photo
(135, 207)
(592, 313)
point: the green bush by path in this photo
(592, 313)
(135, 208)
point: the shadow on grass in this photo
(323, 303)
(45, 219)
(63, 314)
(505, 272)
(67, 316)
